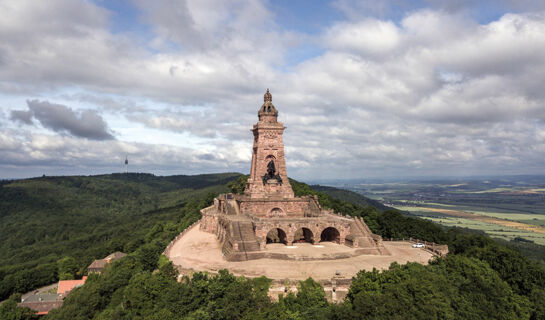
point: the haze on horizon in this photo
(366, 89)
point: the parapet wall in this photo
(440, 250)
(166, 252)
(243, 256)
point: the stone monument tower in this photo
(268, 211)
(268, 177)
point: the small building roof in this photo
(43, 307)
(65, 286)
(42, 303)
(41, 297)
(98, 264)
(115, 256)
(101, 263)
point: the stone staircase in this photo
(360, 232)
(232, 207)
(363, 226)
(241, 234)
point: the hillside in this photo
(45, 219)
(350, 196)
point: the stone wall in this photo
(336, 288)
(438, 249)
(290, 227)
(275, 208)
(209, 220)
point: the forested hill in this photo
(81, 218)
(350, 196)
(55, 226)
(87, 217)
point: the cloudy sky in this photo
(366, 88)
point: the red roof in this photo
(66, 286)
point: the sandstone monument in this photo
(268, 211)
(267, 231)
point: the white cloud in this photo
(370, 37)
(434, 91)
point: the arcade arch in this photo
(303, 235)
(330, 234)
(277, 235)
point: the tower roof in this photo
(267, 112)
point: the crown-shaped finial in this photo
(267, 96)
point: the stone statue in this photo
(271, 173)
(271, 169)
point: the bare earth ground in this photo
(200, 251)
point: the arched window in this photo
(276, 212)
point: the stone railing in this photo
(208, 210)
(166, 252)
(298, 219)
(437, 249)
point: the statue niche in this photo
(271, 173)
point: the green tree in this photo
(311, 301)
(67, 268)
(10, 311)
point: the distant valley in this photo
(508, 208)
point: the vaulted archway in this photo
(331, 234)
(277, 235)
(303, 235)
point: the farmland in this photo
(509, 208)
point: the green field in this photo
(491, 229)
(535, 219)
(513, 199)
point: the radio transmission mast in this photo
(126, 165)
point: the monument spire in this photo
(268, 177)
(267, 96)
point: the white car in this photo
(418, 245)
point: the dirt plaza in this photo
(201, 251)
